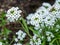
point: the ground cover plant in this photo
(39, 28)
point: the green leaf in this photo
(3, 14)
(27, 44)
(43, 43)
(6, 31)
(25, 24)
(34, 31)
(2, 19)
(25, 27)
(50, 44)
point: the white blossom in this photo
(16, 40)
(1, 43)
(49, 35)
(17, 44)
(20, 35)
(48, 38)
(47, 6)
(35, 40)
(13, 14)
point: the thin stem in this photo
(43, 43)
(54, 40)
(57, 42)
(24, 26)
(26, 32)
(12, 40)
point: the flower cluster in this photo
(20, 35)
(13, 14)
(45, 15)
(1, 43)
(18, 44)
(42, 15)
(35, 41)
(45, 21)
(49, 35)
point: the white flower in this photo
(29, 16)
(13, 14)
(57, 5)
(48, 39)
(16, 39)
(58, 26)
(34, 37)
(49, 20)
(17, 44)
(21, 35)
(35, 19)
(35, 40)
(36, 27)
(40, 30)
(39, 41)
(46, 15)
(57, 2)
(49, 35)
(58, 14)
(47, 6)
(1, 43)
(41, 16)
(4, 38)
(42, 11)
(31, 42)
(57, 30)
(42, 37)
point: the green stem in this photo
(43, 43)
(34, 31)
(57, 42)
(12, 40)
(26, 31)
(25, 27)
(54, 40)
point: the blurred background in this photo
(28, 6)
